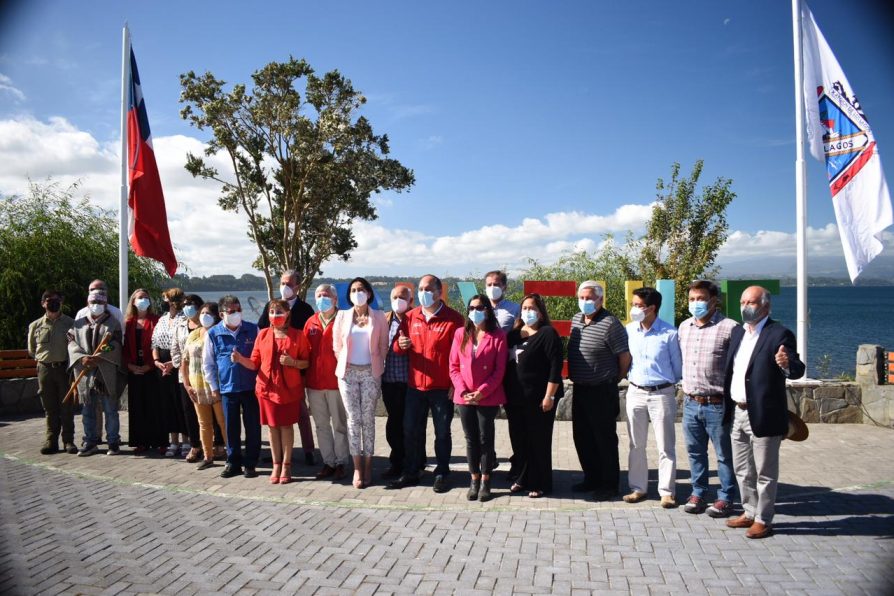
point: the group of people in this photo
(197, 374)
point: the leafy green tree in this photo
(685, 232)
(304, 165)
(51, 239)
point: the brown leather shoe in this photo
(339, 472)
(759, 530)
(325, 472)
(634, 497)
(668, 502)
(742, 521)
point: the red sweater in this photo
(321, 373)
(129, 351)
(429, 351)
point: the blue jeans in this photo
(92, 434)
(700, 423)
(247, 403)
(417, 405)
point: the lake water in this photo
(841, 318)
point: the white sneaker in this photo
(173, 448)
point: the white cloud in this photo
(6, 86)
(211, 241)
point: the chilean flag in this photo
(149, 234)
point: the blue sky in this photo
(506, 111)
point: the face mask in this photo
(399, 305)
(207, 320)
(190, 310)
(96, 309)
(286, 292)
(142, 304)
(476, 316)
(750, 314)
(588, 307)
(165, 306)
(358, 298)
(698, 309)
(637, 314)
(494, 292)
(529, 316)
(426, 298)
(233, 320)
(54, 305)
(278, 320)
(324, 303)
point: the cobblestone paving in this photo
(127, 525)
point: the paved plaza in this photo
(131, 525)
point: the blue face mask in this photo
(324, 303)
(142, 304)
(698, 309)
(426, 298)
(529, 317)
(190, 310)
(476, 316)
(588, 307)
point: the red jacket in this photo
(429, 351)
(280, 384)
(321, 373)
(129, 351)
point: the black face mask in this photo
(54, 305)
(165, 306)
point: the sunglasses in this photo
(480, 307)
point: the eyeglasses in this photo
(479, 308)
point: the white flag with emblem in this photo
(838, 132)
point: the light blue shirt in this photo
(656, 354)
(507, 313)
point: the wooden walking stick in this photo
(102, 347)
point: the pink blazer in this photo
(483, 372)
(378, 340)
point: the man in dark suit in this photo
(762, 355)
(301, 312)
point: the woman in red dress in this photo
(279, 354)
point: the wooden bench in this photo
(17, 364)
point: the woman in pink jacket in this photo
(360, 342)
(477, 363)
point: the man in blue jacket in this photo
(234, 385)
(762, 355)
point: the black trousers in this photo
(537, 453)
(594, 412)
(478, 426)
(192, 419)
(517, 438)
(394, 395)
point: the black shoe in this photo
(392, 472)
(484, 493)
(49, 448)
(251, 472)
(114, 449)
(309, 458)
(205, 464)
(582, 487)
(473, 489)
(87, 450)
(231, 470)
(403, 482)
(71, 449)
(605, 495)
(440, 484)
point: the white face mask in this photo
(399, 305)
(96, 309)
(233, 320)
(494, 292)
(207, 320)
(286, 292)
(359, 298)
(637, 314)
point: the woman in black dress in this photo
(535, 373)
(146, 431)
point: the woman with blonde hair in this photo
(144, 417)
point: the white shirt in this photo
(112, 310)
(358, 346)
(742, 358)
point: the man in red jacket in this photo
(426, 335)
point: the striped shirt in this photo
(593, 349)
(704, 354)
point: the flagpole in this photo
(800, 185)
(123, 229)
